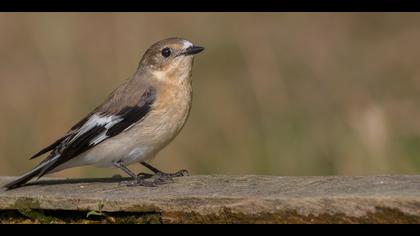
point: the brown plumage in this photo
(135, 122)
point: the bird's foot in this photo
(139, 181)
(180, 173)
(143, 175)
(161, 177)
(164, 178)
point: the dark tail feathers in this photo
(24, 179)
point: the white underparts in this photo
(160, 75)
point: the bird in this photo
(137, 120)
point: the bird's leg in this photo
(156, 171)
(160, 176)
(137, 181)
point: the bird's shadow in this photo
(113, 179)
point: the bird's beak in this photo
(192, 50)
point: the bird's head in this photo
(172, 55)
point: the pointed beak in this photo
(192, 50)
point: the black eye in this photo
(166, 52)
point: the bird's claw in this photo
(180, 173)
(153, 180)
(138, 182)
(144, 175)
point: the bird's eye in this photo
(166, 52)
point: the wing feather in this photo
(125, 106)
(97, 129)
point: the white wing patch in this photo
(97, 120)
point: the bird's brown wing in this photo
(126, 95)
(121, 110)
(97, 128)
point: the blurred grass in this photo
(274, 93)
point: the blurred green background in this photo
(274, 93)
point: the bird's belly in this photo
(144, 140)
(127, 149)
(140, 143)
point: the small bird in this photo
(138, 119)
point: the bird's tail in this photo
(25, 178)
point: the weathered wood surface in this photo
(232, 199)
